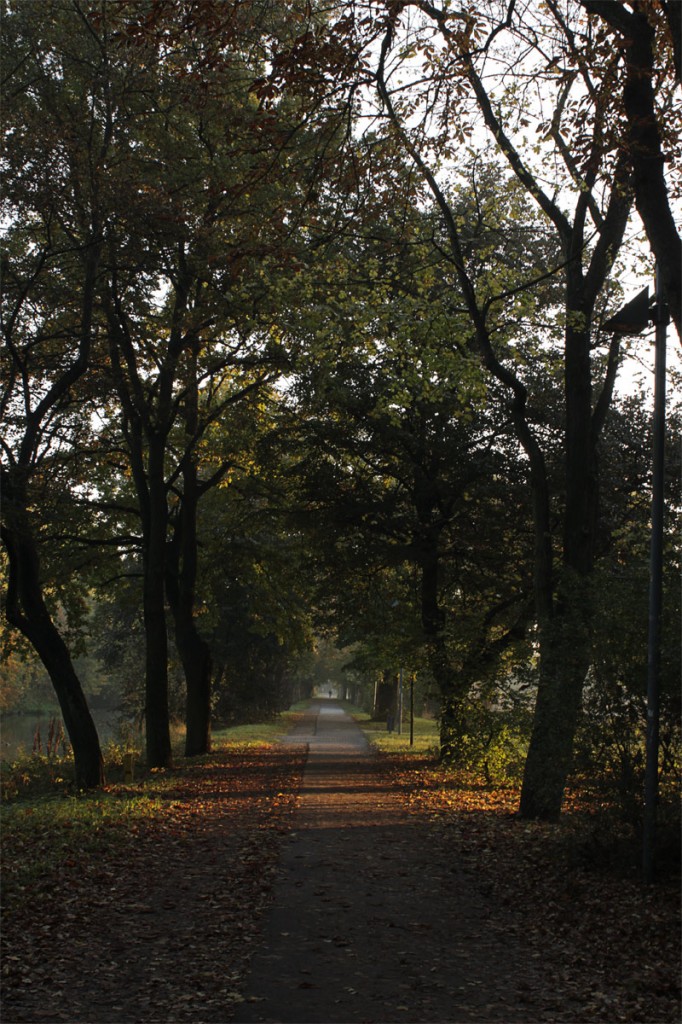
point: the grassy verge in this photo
(425, 733)
(258, 732)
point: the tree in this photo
(205, 209)
(405, 477)
(54, 236)
(452, 57)
(200, 187)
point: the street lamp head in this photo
(633, 318)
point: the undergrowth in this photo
(50, 773)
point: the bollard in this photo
(128, 761)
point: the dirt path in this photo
(371, 920)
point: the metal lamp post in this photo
(633, 319)
(400, 702)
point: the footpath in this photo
(371, 921)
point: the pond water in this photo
(20, 731)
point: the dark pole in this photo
(400, 703)
(655, 591)
(412, 709)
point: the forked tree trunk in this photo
(646, 147)
(148, 416)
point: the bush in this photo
(492, 740)
(40, 774)
(610, 752)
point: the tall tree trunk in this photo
(451, 692)
(565, 633)
(157, 723)
(196, 660)
(452, 729)
(195, 653)
(25, 605)
(385, 702)
(563, 624)
(26, 610)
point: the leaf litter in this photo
(155, 917)
(611, 944)
(158, 921)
